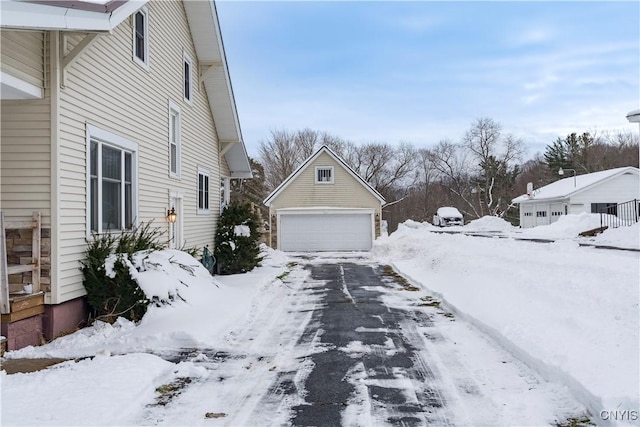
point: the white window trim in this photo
(187, 59)
(114, 140)
(205, 172)
(144, 64)
(324, 182)
(226, 199)
(177, 228)
(174, 108)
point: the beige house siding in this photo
(345, 192)
(25, 159)
(107, 89)
(23, 55)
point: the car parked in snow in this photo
(447, 216)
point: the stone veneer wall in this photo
(273, 232)
(19, 252)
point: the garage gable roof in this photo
(308, 162)
(567, 187)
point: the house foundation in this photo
(60, 319)
(24, 332)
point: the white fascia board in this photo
(29, 15)
(22, 15)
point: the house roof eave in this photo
(207, 38)
(66, 15)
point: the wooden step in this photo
(23, 306)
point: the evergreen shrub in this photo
(236, 252)
(110, 297)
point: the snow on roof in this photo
(634, 116)
(569, 186)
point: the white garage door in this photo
(325, 232)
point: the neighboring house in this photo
(591, 193)
(324, 206)
(634, 116)
(113, 113)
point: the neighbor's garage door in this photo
(325, 232)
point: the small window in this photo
(324, 175)
(187, 78)
(203, 191)
(141, 37)
(608, 208)
(174, 140)
(541, 214)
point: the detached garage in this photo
(324, 206)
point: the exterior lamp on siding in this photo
(172, 216)
(561, 172)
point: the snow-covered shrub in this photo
(117, 293)
(237, 248)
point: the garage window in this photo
(324, 175)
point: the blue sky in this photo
(423, 71)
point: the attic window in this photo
(188, 66)
(141, 37)
(324, 175)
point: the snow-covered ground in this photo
(569, 312)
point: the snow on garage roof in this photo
(568, 187)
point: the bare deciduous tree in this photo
(495, 162)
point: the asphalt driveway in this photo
(393, 356)
(357, 345)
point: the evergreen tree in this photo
(237, 248)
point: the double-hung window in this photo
(187, 78)
(141, 37)
(174, 140)
(112, 181)
(203, 191)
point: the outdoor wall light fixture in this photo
(172, 216)
(561, 173)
